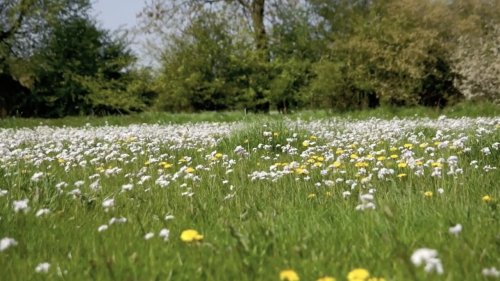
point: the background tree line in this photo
(250, 54)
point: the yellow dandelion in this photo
(189, 170)
(354, 156)
(311, 195)
(320, 158)
(358, 274)
(393, 149)
(191, 235)
(339, 151)
(402, 175)
(311, 160)
(424, 145)
(487, 198)
(305, 143)
(381, 158)
(326, 278)
(361, 164)
(394, 156)
(428, 194)
(408, 145)
(301, 171)
(318, 164)
(218, 155)
(313, 138)
(336, 164)
(289, 275)
(402, 165)
(436, 165)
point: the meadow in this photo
(303, 197)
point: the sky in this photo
(117, 15)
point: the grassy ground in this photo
(459, 110)
(261, 208)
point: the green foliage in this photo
(84, 70)
(206, 69)
(389, 55)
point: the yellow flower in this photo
(311, 195)
(354, 156)
(313, 138)
(487, 198)
(189, 170)
(361, 164)
(289, 275)
(436, 164)
(402, 165)
(301, 171)
(191, 235)
(424, 145)
(320, 158)
(408, 145)
(329, 194)
(311, 160)
(428, 194)
(393, 148)
(394, 156)
(305, 143)
(401, 175)
(336, 164)
(339, 151)
(275, 134)
(358, 274)
(166, 165)
(326, 278)
(218, 155)
(381, 158)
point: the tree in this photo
(83, 70)
(23, 26)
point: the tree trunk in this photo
(259, 29)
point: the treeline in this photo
(250, 54)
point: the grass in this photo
(467, 109)
(268, 226)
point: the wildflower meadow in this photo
(291, 199)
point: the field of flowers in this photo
(331, 199)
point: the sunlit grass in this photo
(253, 229)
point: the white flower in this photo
(117, 220)
(102, 228)
(79, 183)
(169, 217)
(164, 233)
(365, 206)
(149, 235)
(455, 229)
(427, 257)
(21, 205)
(366, 198)
(37, 176)
(108, 204)
(346, 194)
(3, 192)
(7, 242)
(491, 272)
(42, 267)
(42, 212)
(127, 187)
(440, 190)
